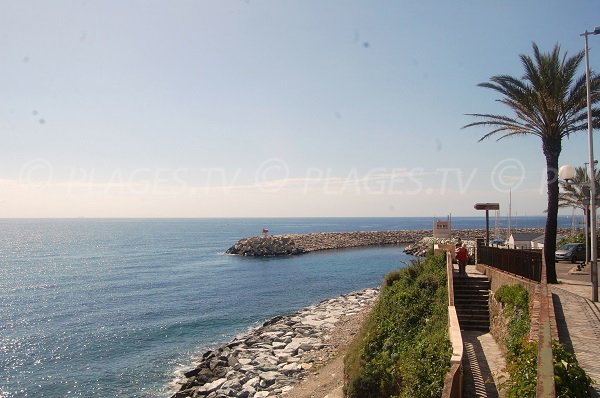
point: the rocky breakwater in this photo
(269, 360)
(266, 246)
(304, 243)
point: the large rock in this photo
(265, 246)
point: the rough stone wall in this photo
(498, 324)
(499, 278)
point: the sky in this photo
(233, 108)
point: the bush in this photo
(522, 368)
(515, 300)
(570, 380)
(403, 348)
(578, 238)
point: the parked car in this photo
(571, 252)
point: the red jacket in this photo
(462, 254)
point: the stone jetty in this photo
(303, 243)
(267, 361)
(283, 245)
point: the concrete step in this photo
(468, 302)
(479, 290)
(484, 318)
(470, 311)
(482, 293)
(474, 326)
(471, 281)
(471, 298)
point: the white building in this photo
(442, 229)
(523, 240)
(538, 243)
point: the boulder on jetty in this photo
(266, 246)
(269, 360)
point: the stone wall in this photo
(499, 278)
(498, 324)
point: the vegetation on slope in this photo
(403, 349)
(570, 380)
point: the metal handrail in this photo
(524, 263)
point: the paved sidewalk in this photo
(578, 321)
(483, 365)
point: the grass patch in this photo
(403, 348)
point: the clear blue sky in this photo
(269, 108)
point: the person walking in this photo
(462, 255)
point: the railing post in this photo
(478, 245)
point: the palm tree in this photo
(574, 193)
(549, 101)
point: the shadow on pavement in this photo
(478, 376)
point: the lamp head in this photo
(596, 30)
(566, 172)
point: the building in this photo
(523, 240)
(538, 243)
(442, 229)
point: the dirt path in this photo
(327, 378)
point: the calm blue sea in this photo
(114, 308)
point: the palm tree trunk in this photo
(552, 152)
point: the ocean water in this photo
(115, 308)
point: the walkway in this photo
(483, 361)
(578, 320)
(483, 364)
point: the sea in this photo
(121, 307)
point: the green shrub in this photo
(403, 348)
(570, 380)
(515, 300)
(513, 296)
(522, 368)
(577, 238)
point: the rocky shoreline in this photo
(269, 360)
(293, 244)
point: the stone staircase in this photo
(471, 295)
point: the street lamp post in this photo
(567, 173)
(487, 207)
(593, 241)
